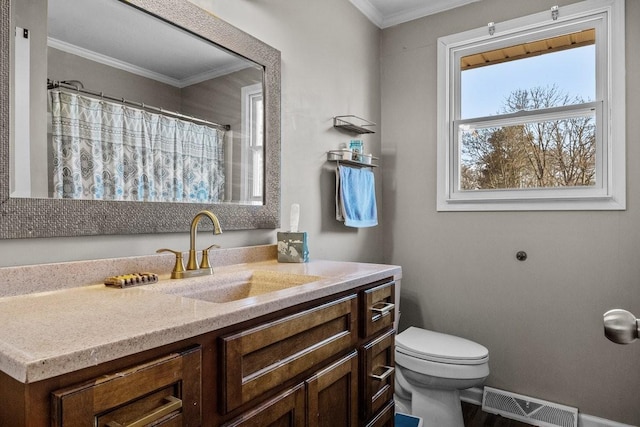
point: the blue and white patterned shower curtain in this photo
(109, 151)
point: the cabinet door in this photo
(378, 373)
(165, 391)
(285, 410)
(256, 360)
(332, 394)
(385, 418)
(378, 308)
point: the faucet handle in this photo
(204, 263)
(178, 268)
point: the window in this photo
(252, 148)
(531, 112)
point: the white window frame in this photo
(252, 189)
(609, 193)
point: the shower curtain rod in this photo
(79, 87)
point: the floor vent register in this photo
(527, 409)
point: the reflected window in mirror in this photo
(252, 144)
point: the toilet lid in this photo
(438, 347)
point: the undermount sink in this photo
(227, 287)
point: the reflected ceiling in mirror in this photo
(189, 118)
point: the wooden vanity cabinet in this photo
(377, 362)
(163, 392)
(323, 363)
(327, 399)
(377, 304)
(354, 390)
(300, 348)
(332, 394)
(256, 360)
(378, 368)
(385, 418)
(287, 409)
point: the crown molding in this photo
(368, 10)
(236, 65)
(405, 15)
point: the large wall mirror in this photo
(129, 117)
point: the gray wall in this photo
(541, 319)
(330, 66)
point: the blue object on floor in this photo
(404, 420)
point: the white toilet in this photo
(431, 369)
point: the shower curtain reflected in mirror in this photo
(110, 151)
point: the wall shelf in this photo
(353, 124)
(336, 156)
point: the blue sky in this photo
(572, 70)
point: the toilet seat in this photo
(442, 348)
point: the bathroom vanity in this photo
(259, 343)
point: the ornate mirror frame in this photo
(31, 218)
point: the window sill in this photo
(532, 204)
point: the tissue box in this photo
(292, 247)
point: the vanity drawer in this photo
(165, 391)
(259, 359)
(378, 371)
(385, 418)
(285, 410)
(378, 308)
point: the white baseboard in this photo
(585, 420)
(474, 396)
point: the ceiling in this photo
(116, 34)
(387, 13)
(79, 27)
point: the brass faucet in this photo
(193, 269)
(192, 264)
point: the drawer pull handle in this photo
(388, 370)
(173, 404)
(383, 308)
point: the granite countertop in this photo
(53, 332)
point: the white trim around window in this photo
(609, 193)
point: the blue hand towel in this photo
(356, 197)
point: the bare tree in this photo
(553, 153)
